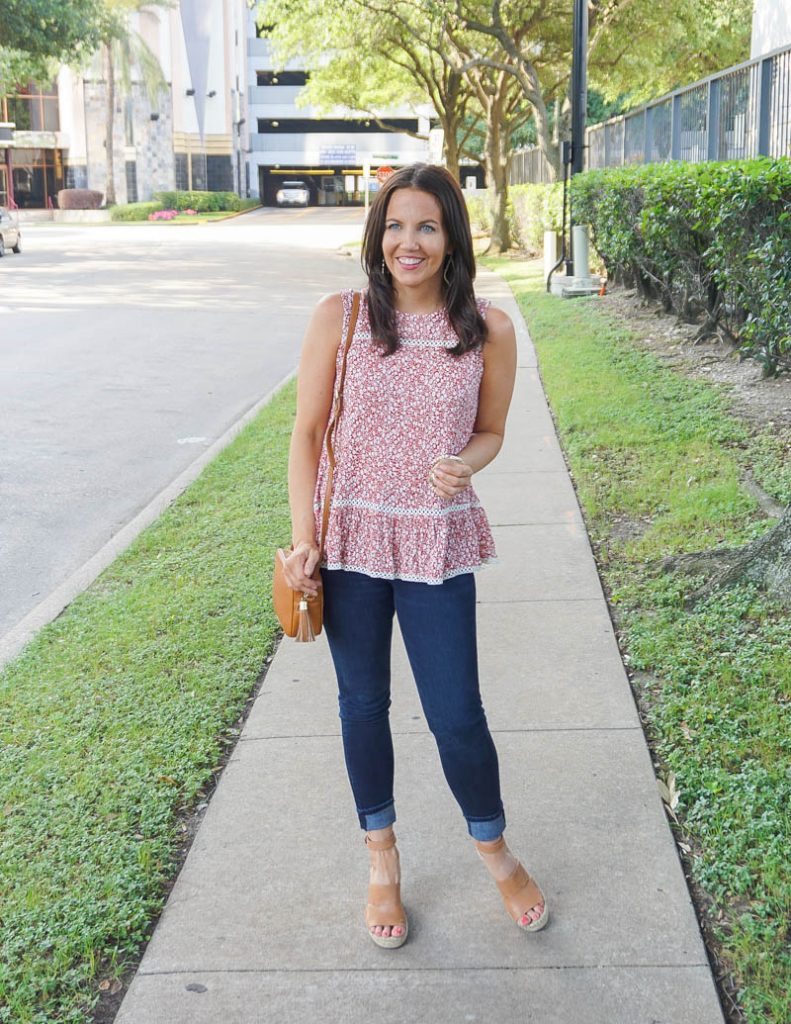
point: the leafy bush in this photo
(79, 199)
(478, 209)
(202, 202)
(535, 209)
(711, 241)
(134, 211)
(532, 210)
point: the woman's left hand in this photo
(449, 477)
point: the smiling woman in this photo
(418, 236)
(429, 373)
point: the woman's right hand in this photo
(299, 566)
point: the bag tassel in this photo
(304, 626)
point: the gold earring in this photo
(448, 265)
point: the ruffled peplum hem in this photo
(414, 547)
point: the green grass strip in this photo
(656, 460)
(113, 717)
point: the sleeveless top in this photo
(400, 413)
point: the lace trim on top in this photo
(412, 342)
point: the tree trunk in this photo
(549, 148)
(765, 561)
(450, 143)
(497, 159)
(450, 116)
(109, 125)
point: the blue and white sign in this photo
(343, 154)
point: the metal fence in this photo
(737, 114)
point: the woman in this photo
(429, 378)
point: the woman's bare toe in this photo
(533, 914)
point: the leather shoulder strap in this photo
(333, 424)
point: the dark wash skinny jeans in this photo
(438, 626)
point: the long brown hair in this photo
(458, 272)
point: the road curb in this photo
(50, 608)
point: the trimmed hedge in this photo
(79, 199)
(134, 211)
(711, 241)
(202, 202)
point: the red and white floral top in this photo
(400, 413)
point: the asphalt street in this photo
(125, 351)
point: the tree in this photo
(765, 561)
(123, 50)
(363, 58)
(35, 35)
(644, 49)
(635, 46)
(60, 29)
(504, 110)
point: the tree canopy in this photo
(644, 49)
(36, 33)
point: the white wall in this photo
(771, 26)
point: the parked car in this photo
(10, 235)
(293, 193)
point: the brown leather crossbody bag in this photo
(300, 613)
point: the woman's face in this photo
(414, 243)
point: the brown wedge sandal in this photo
(384, 903)
(520, 892)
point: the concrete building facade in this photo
(227, 119)
(328, 152)
(188, 135)
(771, 26)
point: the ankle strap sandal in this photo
(384, 903)
(520, 891)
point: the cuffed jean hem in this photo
(380, 818)
(486, 829)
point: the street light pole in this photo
(578, 280)
(579, 84)
(579, 101)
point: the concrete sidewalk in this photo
(265, 922)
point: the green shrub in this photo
(711, 241)
(532, 210)
(478, 209)
(134, 211)
(202, 202)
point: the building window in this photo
(191, 171)
(131, 181)
(76, 176)
(281, 77)
(32, 108)
(219, 174)
(303, 126)
(38, 177)
(181, 171)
